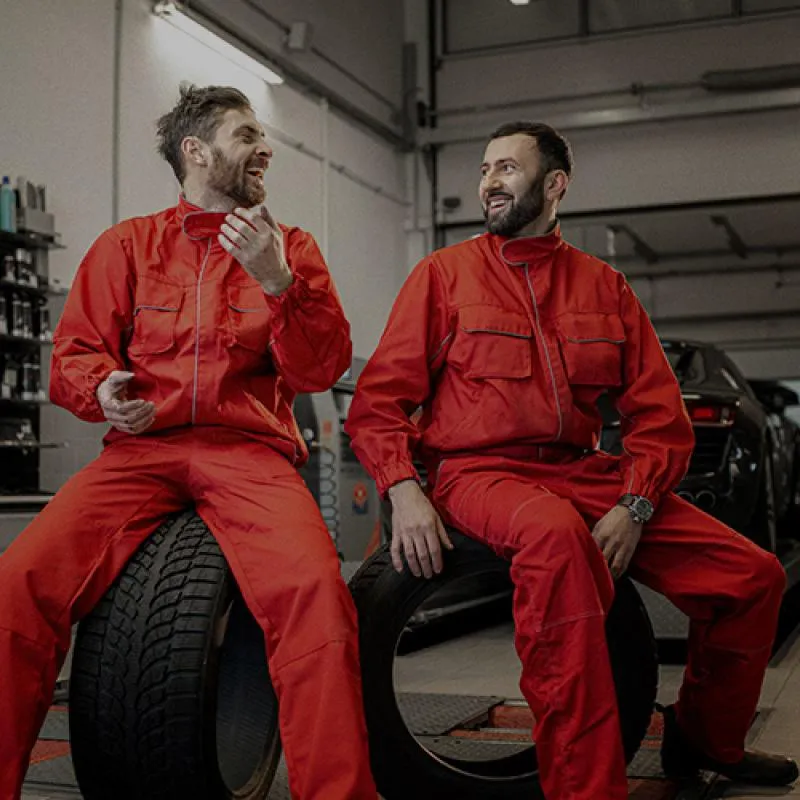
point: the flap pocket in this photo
(155, 317)
(491, 342)
(591, 345)
(248, 317)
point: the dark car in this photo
(744, 466)
(785, 437)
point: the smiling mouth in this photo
(498, 202)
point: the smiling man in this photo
(506, 342)
(190, 331)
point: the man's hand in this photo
(128, 416)
(417, 531)
(255, 240)
(617, 535)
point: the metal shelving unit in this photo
(24, 336)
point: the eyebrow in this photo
(248, 128)
(500, 161)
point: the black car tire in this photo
(170, 698)
(763, 527)
(402, 767)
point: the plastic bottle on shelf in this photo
(3, 316)
(17, 325)
(27, 319)
(8, 206)
(45, 334)
(9, 273)
(8, 383)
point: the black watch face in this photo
(643, 508)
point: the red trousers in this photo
(539, 514)
(281, 554)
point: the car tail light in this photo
(711, 413)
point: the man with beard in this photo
(506, 342)
(190, 331)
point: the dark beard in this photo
(519, 213)
(231, 180)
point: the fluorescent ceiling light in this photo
(178, 17)
(520, 2)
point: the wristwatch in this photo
(640, 508)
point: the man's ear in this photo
(556, 184)
(194, 151)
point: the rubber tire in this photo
(402, 768)
(169, 689)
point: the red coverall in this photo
(506, 344)
(222, 361)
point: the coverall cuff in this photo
(298, 293)
(645, 489)
(91, 405)
(393, 473)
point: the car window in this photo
(687, 363)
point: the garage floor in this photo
(471, 667)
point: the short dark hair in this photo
(555, 149)
(198, 113)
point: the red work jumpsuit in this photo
(506, 344)
(222, 361)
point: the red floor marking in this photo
(491, 735)
(47, 751)
(511, 717)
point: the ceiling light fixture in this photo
(190, 24)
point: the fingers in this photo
(119, 377)
(442, 533)
(397, 559)
(228, 245)
(135, 429)
(129, 419)
(268, 218)
(411, 556)
(619, 561)
(434, 550)
(236, 235)
(422, 552)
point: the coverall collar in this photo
(197, 223)
(522, 251)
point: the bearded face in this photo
(242, 181)
(507, 213)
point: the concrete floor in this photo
(484, 663)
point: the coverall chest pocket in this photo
(492, 343)
(591, 346)
(155, 318)
(248, 317)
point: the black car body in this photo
(743, 467)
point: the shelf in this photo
(13, 444)
(4, 337)
(43, 293)
(32, 240)
(13, 401)
(23, 289)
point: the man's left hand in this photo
(255, 240)
(617, 535)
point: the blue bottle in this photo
(8, 207)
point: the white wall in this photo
(56, 112)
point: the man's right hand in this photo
(417, 531)
(128, 416)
